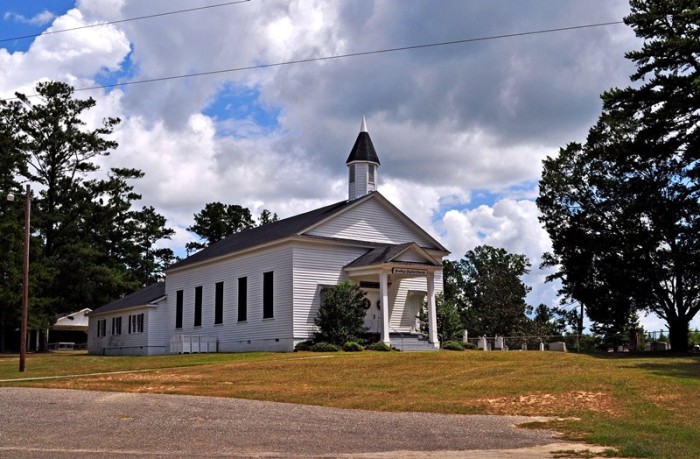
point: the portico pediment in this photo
(407, 260)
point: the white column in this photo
(384, 294)
(432, 314)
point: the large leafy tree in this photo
(89, 246)
(218, 220)
(623, 209)
(11, 230)
(449, 321)
(487, 286)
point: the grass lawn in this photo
(644, 406)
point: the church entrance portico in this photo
(396, 289)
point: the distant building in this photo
(260, 289)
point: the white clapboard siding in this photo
(316, 266)
(411, 257)
(373, 222)
(126, 343)
(156, 326)
(255, 333)
(402, 318)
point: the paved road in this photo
(63, 423)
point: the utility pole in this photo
(25, 282)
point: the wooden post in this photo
(384, 293)
(25, 282)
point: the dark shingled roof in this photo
(384, 254)
(263, 234)
(363, 150)
(379, 255)
(138, 298)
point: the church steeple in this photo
(362, 163)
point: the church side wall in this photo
(124, 342)
(316, 266)
(255, 333)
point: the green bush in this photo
(380, 346)
(342, 314)
(324, 347)
(304, 345)
(352, 346)
(470, 346)
(452, 346)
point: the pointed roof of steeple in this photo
(363, 150)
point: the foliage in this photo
(379, 346)
(449, 323)
(267, 217)
(623, 210)
(352, 346)
(549, 321)
(324, 347)
(453, 346)
(341, 315)
(11, 233)
(218, 220)
(470, 346)
(492, 293)
(304, 345)
(694, 338)
(89, 245)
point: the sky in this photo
(461, 130)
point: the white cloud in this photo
(447, 122)
(38, 19)
(76, 57)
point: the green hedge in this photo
(453, 346)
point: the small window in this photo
(352, 173)
(219, 303)
(101, 328)
(116, 325)
(136, 323)
(268, 294)
(242, 299)
(370, 173)
(198, 306)
(178, 308)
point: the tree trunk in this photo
(678, 334)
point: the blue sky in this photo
(461, 130)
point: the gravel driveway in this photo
(64, 423)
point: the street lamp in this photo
(25, 282)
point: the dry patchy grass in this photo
(644, 406)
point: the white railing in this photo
(192, 344)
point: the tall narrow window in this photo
(116, 325)
(178, 308)
(219, 303)
(136, 323)
(198, 306)
(370, 174)
(101, 328)
(268, 290)
(242, 299)
(352, 173)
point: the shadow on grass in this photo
(675, 365)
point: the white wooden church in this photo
(260, 289)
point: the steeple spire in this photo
(362, 165)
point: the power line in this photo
(150, 16)
(348, 55)
(343, 56)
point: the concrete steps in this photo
(411, 342)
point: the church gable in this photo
(373, 219)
